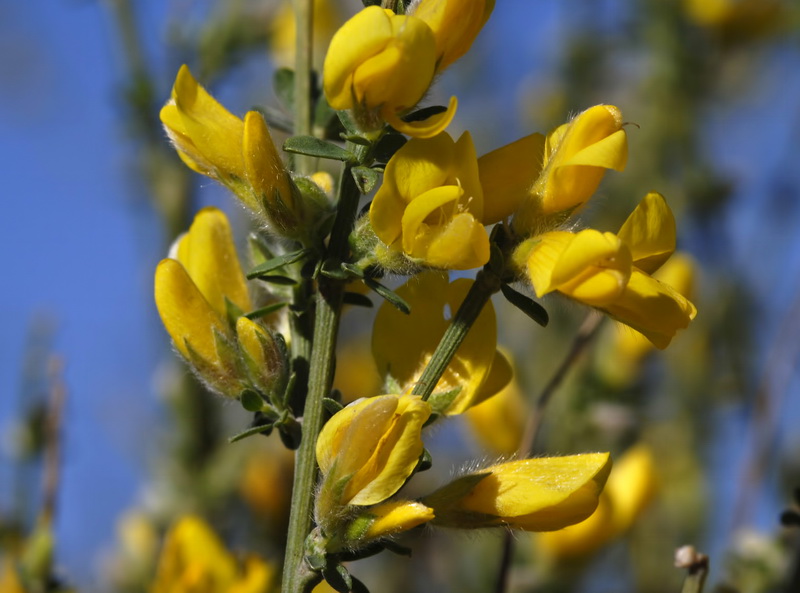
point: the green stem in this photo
(304, 19)
(297, 575)
(486, 284)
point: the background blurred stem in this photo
(304, 20)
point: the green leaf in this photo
(425, 461)
(331, 405)
(259, 250)
(393, 298)
(337, 577)
(251, 401)
(316, 147)
(264, 428)
(528, 306)
(355, 271)
(283, 82)
(290, 432)
(264, 311)
(277, 262)
(366, 179)
(356, 139)
(277, 279)
(357, 300)
(396, 548)
(348, 122)
(441, 401)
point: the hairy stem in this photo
(304, 19)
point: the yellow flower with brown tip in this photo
(194, 292)
(404, 344)
(239, 154)
(430, 205)
(194, 560)
(455, 25)
(367, 451)
(380, 65)
(541, 494)
(630, 488)
(612, 272)
(574, 161)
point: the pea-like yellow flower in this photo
(532, 494)
(265, 359)
(455, 25)
(380, 65)
(430, 205)
(612, 272)
(239, 154)
(384, 521)
(194, 292)
(404, 344)
(630, 488)
(194, 560)
(737, 21)
(367, 451)
(575, 158)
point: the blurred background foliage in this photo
(712, 93)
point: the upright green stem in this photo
(304, 19)
(297, 576)
(486, 284)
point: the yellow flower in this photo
(384, 521)
(283, 31)
(380, 65)
(192, 293)
(532, 494)
(9, 580)
(366, 452)
(499, 421)
(455, 25)
(430, 205)
(404, 344)
(629, 490)
(194, 560)
(265, 359)
(239, 154)
(737, 20)
(612, 272)
(575, 157)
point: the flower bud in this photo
(367, 451)
(541, 494)
(380, 65)
(385, 520)
(264, 357)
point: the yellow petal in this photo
(649, 232)
(507, 175)
(652, 308)
(498, 421)
(532, 494)
(543, 257)
(403, 344)
(454, 24)
(263, 166)
(397, 516)
(185, 312)
(209, 255)
(427, 128)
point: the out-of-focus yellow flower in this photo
(366, 452)
(455, 25)
(192, 293)
(9, 580)
(621, 351)
(430, 205)
(380, 65)
(194, 560)
(404, 344)
(265, 483)
(283, 31)
(239, 154)
(499, 421)
(612, 272)
(356, 375)
(737, 20)
(532, 494)
(576, 156)
(629, 490)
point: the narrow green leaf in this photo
(424, 113)
(387, 146)
(337, 577)
(290, 432)
(366, 179)
(425, 461)
(316, 147)
(277, 262)
(528, 306)
(355, 271)
(357, 300)
(348, 122)
(265, 428)
(356, 139)
(396, 548)
(264, 311)
(441, 401)
(331, 405)
(393, 298)
(277, 279)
